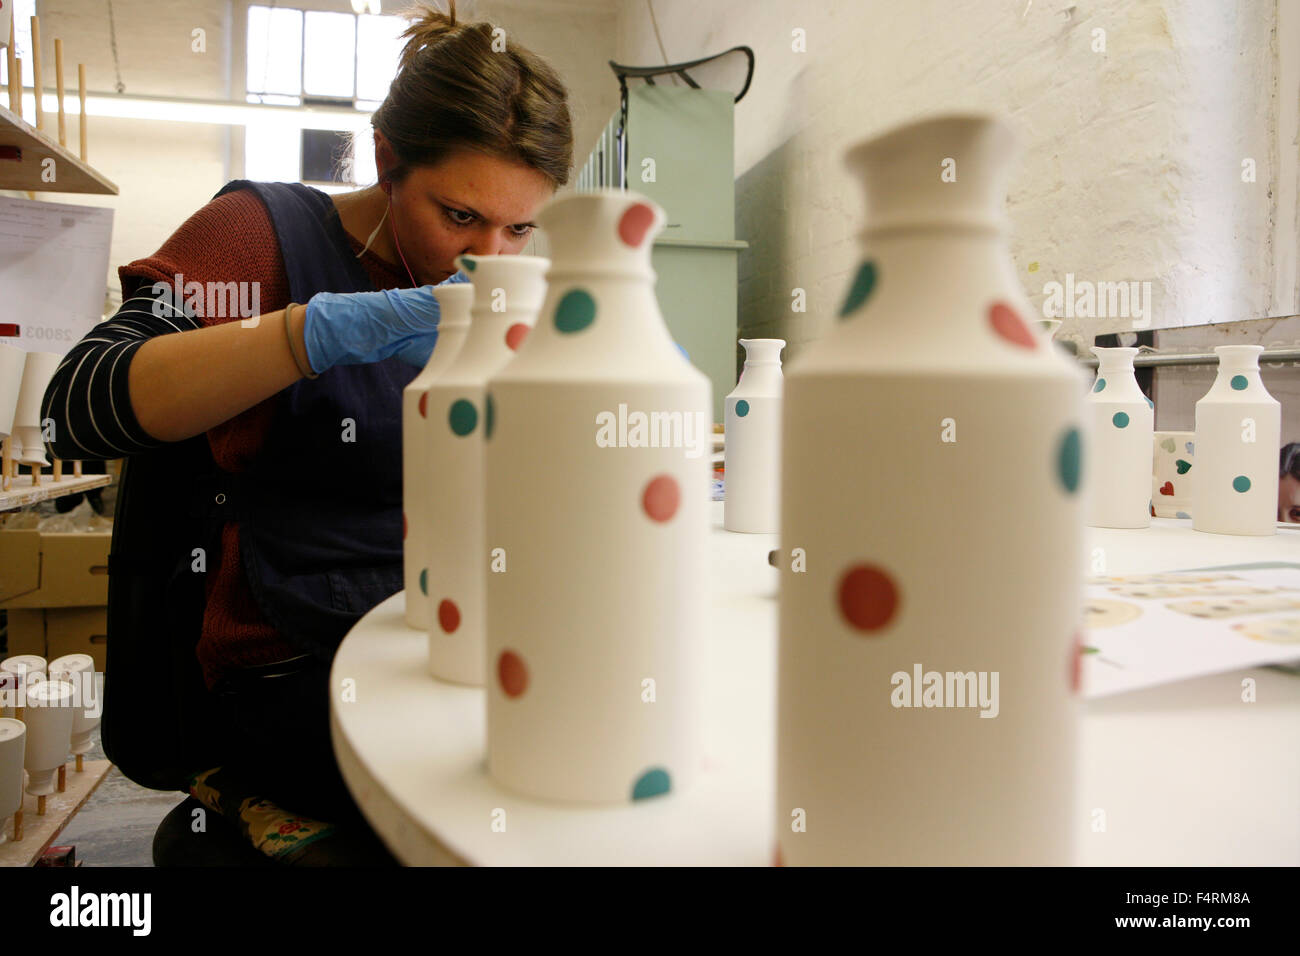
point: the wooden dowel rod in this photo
(15, 75)
(63, 777)
(40, 805)
(16, 87)
(37, 88)
(58, 85)
(81, 766)
(6, 464)
(81, 93)
(76, 468)
(58, 469)
(18, 824)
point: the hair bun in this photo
(427, 26)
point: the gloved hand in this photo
(354, 328)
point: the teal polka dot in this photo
(651, 784)
(742, 408)
(861, 288)
(1181, 514)
(487, 417)
(1150, 404)
(463, 416)
(576, 311)
(469, 265)
(1101, 385)
(1120, 419)
(1068, 460)
(1239, 383)
(424, 581)
(1241, 483)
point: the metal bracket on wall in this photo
(648, 73)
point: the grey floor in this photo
(115, 826)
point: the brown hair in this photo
(454, 91)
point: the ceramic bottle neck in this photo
(894, 257)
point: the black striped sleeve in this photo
(88, 398)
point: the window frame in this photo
(239, 67)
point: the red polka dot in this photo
(1076, 662)
(515, 335)
(424, 405)
(1009, 326)
(636, 221)
(661, 497)
(868, 597)
(512, 673)
(448, 615)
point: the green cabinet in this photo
(680, 153)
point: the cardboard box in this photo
(77, 630)
(62, 569)
(53, 632)
(26, 633)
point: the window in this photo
(23, 11)
(298, 57)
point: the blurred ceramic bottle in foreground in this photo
(926, 707)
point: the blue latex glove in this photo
(355, 328)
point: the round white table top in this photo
(1182, 774)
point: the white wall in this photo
(163, 171)
(1130, 159)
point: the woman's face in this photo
(1288, 499)
(471, 203)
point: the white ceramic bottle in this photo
(508, 291)
(12, 360)
(931, 524)
(598, 476)
(1238, 434)
(23, 671)
(418, 482)
(13, 740)
(48, 716)
(79, 671)
(753, 441)
(28, 448)
(1123, 429)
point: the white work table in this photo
(1185, 773)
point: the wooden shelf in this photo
(39, 832)
(71, 174)
(23, 492)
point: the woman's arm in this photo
(182, 385)
(114, 394)
(149, 375)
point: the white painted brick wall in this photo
(1130, 159)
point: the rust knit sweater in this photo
(231, 239)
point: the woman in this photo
(1288, 484)
(283, 432)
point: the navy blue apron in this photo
(320, 508)
(320, 526)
